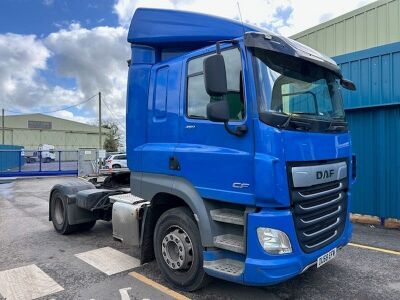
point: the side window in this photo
(160, 95)
(197, 97)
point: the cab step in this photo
(226, 265)
(230, 242)
(228, 215)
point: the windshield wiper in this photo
(338, 127)
(289, 120)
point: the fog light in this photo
(274, 241)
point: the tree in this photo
(112, 141)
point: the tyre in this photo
(178, 249)
(116, 166)
(47, 160)
(59, 216)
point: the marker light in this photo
(274, 241)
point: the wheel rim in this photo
(59, 211)
(177, 249)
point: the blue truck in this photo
(239, 154)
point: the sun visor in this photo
(271, 42)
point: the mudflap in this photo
(146, 237)
(78, 215)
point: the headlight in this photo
(274, 241)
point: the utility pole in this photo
(100, 144)
(2, 125)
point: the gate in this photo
(88, 161)
(18, 162)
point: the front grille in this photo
(319, 213)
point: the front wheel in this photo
(178, 249)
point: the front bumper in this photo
(262, 268)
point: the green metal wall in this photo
(64, 134)
(375, 24)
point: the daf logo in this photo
(325, 174)
(240, 185)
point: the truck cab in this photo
(238, 149)
(246, 129)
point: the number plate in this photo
(326, 257)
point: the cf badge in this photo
(240, 185)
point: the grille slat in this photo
(319, 213)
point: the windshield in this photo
(295, 87)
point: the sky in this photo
(56, 53)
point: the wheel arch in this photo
(69, 189)
(166, 192)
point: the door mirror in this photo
(348, 84)
(218, 111)
(215, 75)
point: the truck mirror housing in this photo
(348, 84)
(215, 75)
(218, 111)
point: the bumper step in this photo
(226, 266)
(230, 242)
(227, 215)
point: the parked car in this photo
(108, 154)
(116, 161)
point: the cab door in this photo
(218, 164)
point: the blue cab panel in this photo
(176, 29)
(167, 120)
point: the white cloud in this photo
(96, 58)
(22, 58)
(65, 114)
(264, 13)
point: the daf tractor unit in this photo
(239, 154)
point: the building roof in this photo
(162, 28)
(22, 122)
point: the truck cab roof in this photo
(172, 28)
(172, 33)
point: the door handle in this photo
(174, 163)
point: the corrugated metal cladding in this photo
(366, 45)
(376, 142)
(373, 25)
(376, 73)
(373, 113)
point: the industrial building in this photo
(366, 45)
(31, 130)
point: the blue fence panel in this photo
(10, 157)
(17, 162)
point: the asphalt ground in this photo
(28, 238)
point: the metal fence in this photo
(20, 162)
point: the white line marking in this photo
(109, 260)
(28, 282)
(124, 293)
